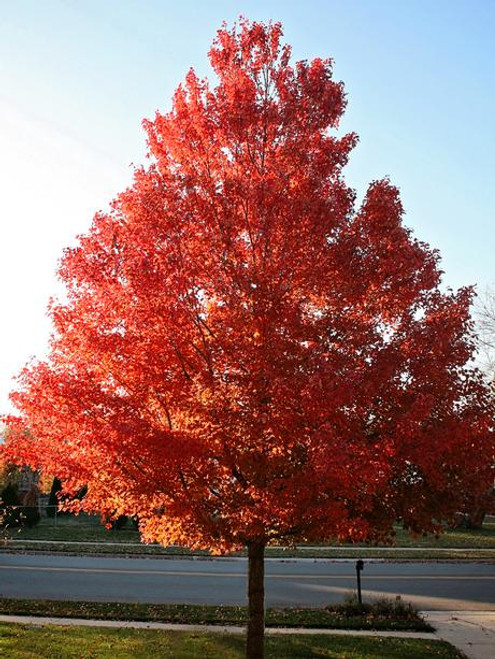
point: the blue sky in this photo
(78, 76)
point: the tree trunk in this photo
(256, 597)
(476, 517)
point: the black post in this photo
(359, 567)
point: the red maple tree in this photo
(244, 357)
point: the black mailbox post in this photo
(359, 568)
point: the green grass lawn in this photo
(70, 529)
(73, 528)
(29, 642)
(451, 538)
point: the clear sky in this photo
(78, 76)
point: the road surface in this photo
(432, 586)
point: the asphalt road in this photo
(433, 586)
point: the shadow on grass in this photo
(30, 642)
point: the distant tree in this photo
(54, 498)
(476, 506)
(485, 312)
(30, 507)
(118, 523)
(474, 509)
(10, 511)
(9, 474)
(10, 495)
(244, 357)
(60, 502)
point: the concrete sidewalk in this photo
(225, 629)
(472, 632)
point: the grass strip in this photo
(382, 615)
(83, 528)
(123, 549)
(57, 537)
(453, 544)
(21, 641)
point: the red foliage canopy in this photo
(244, 355)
